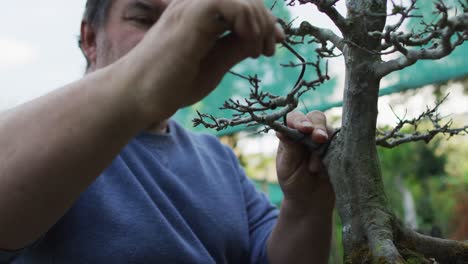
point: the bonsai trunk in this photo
(371, 233)
(353, 165)
(352, 160)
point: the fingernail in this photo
(307, 124)
(322, 133)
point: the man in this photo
(81, 183)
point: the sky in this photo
(38, 48)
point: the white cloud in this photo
(16, 53)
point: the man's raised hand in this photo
(301, 173)
(184, 55)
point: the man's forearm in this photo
(54, 147)
(301, 235)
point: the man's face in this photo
(126, 24)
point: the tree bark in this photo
(352, 159)
(354, 168)
(371, 232)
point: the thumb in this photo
(290, 156)
(227, 52)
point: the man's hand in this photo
(183, 57)
(179, 61)
(301, 173)
(302, 233)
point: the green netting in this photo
(278, 80)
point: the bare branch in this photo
(261, 107)
(394, 137)
(400, 138)
(327, 7)
(443, 36)
(254, 109)
(404, 12)
(322, 35)
(273, 5)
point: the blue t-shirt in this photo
(174, 198)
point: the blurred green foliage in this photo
(416, 163)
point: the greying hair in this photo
(95, 15)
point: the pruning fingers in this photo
(313, 124)
(254, 23)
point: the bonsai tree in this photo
(371, 231)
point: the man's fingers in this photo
(227, 52)
(290, 155)
(315, 163)
(279, 33)
(252, 21)
(299, 121)
(264, 17)
(269, 46)
(285, 139)
(270, 39)
(314, 123)
(319, 121)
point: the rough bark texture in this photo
(371, 233)
(354, 167)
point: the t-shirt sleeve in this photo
(261, 216)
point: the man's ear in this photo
(88, 43)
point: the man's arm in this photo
(303, 230)
(301, 235)
(55, 146)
